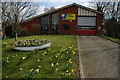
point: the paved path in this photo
(98, 57)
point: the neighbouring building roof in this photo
(55, 10)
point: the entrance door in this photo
(86, 26)
(54, 23)
(44, 25)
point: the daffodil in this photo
(66, 71)
(69, 74)
(37, 70)
(52, 64)
(56, 56)
(40, 66)
(38, 60)
(70, 47)
(73, 52)
(70, 62)
(72, 70)
(20, 69)
(7, 58)
(7, 61)
(56, 69)
(31, 70)
(24, 57)
(56, 63)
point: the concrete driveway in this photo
(98, 57)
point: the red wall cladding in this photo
(99, 23)
(32, 26)
(86, 32)
(73, 23)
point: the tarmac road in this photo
(98, 57)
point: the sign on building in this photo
(68, 16)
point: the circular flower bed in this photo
(31, 44)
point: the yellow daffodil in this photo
(69, 74)
(72, 70)
(56, 56)
(31, 70)
(73, 52)
(71, 62)
(66, 71)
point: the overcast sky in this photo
(59, 4)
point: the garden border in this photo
(109, 39)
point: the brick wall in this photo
(32, 26)
(73, 23)
(99, 23)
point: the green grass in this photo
(12, 61)
(113, 39)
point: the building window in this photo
(66, 27)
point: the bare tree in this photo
(4, 19)
(113, 10)
(49, 9)
(17, 12)
(99, 6)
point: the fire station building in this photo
(70, 19)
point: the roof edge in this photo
(73, 4)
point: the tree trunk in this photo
(16, 38)
(3, 34)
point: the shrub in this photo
(21, 32)
(9, 31)
(112, 28)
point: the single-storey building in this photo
(70, 19)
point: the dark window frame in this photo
(66, 26)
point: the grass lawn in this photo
(58, 61)
(113, 39)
